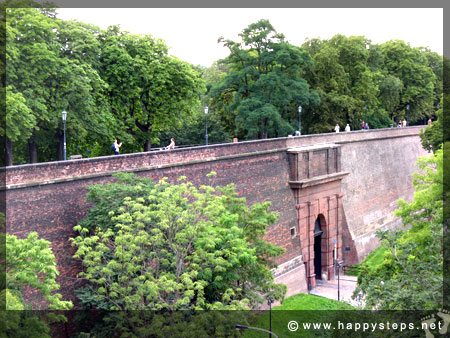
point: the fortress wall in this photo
(53, 210)
(49, 197)
(380, 174)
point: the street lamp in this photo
(64, 116)
(244, 327)
(338, 266)
(206, 124)
(407, 116)
(299, 119)
(270, 302)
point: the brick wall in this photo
(49, 197)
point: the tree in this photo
(148, 90)
(30, 262)
(345, 76)
(19, 120)
(412, 67)
(411, 275)
(390, 91)
(174, 247)
(432, 137)
(46, 65)
(264, 85)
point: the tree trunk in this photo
(9, 153)
(147, 145)
(32, 150)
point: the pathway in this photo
(329, 289)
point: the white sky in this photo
(192, 33)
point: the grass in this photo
(372, 261)
(302, 308)
(311, 302)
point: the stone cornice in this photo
(309, 182)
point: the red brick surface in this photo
(375, 181)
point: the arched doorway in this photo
(318, 249)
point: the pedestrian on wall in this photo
(399, 125)
(363, 125)
(430, 122)
(366, 126)
(404, 123)
(347, 128)
(337, 128)
(116, 147)
(171, 145)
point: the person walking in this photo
(171, 145)
(337, 128)
(366, 126)
(430, 122)
(404, 123)
(363, 125)
(116, 147)
(347, 128)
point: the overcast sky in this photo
(192, 33)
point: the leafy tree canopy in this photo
(264, 85)
(30, 262)
(175, 246)
(432, 137)
(412, 67)
(148, 89)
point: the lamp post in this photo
(206, 124)
(244, 327)
(299, 119)
(365, 112)
(64, 116)
(407, 116)
(269, 302)
(338, 266)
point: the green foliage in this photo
(264, 85)
(410, 276)
(18, 118)
(343, 77)
(147, 89)
(432, 136)
(302, 308)
(378, 119)
(30, 262)
(166, 324)
(311, 302)
(374, 259)
(48, 65)
(193, 132)
(114, 84)
(175, 246)
(22, 324)
(108, 199)
(412, 67)
(390, 92)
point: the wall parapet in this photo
(105, 165)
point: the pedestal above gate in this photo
(315, 164)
